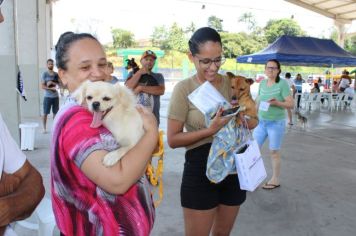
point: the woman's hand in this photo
(149, 120)
(218, 122)
(273, 102)
(287, 103)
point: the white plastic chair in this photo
(303, 98)
(335, 99)
(313, 99)
(45, 219)
(343, 101)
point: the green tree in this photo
(249, 20)
(334, 35)
(176, 39)
(350, 44)
(190, 29)
(159, 37)
(237, 44)
(122, 38)
(277, 28)
(215, 23)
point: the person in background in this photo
(208, 208)
(111, 78)
(353, 72)
(298, 88)
(351, 93)
(50, 83)
(21, 187)
(273, 98)
(335, 87)
(316, 88)
(287, 77)
(148, 60)
(89, 198)
(345, 82)
(327, 79)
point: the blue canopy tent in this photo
(302, 51)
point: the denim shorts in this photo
(50, 102)
(273, 129)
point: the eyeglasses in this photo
(205, 63)
(271, 68)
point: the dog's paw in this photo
(111, 158)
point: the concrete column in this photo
(44, 41)
(340, 25)
(9, 104)
(28, 57)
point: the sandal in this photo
(270, 186)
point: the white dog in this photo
(114, 107)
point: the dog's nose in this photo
(96, 106)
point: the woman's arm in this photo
(126, 172)
(288, 102)
(177, 138)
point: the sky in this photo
(141, 16)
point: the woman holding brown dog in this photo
(207, 207)
(87, 197)
(274, 97)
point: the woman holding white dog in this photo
(274, 97)
(87, 197)
(207, 207)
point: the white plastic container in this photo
(28, 135)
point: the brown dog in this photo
(241, 91)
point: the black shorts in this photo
(50, 102)
(197, 192)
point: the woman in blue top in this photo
(297, 88)
(274, 97)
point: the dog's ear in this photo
(79, 93)
(125, 95)
(250, 81)
(230, 75)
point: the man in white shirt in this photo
(21, 187)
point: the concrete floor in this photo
(318, 182)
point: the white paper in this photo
(207, 98)
(264, 106)
(250, 168)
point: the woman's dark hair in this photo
(64, 42)
(201, 36)
(279, 68)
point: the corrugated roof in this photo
(343, 11)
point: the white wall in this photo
(8, 70)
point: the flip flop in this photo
(270, 186)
